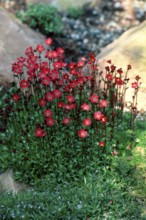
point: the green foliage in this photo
(104, 195)
(43, 17)
(75, 12)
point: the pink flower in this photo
(103, 103)
(46, 80)
(98, 116)
(70, 98)
(24, 84)
(94, 98)
(57, 93)
(40, 48)
(66, 121)
(85, 107)
(101, 144)
(48, 41)
(134, 85)
(50, 121)
(50, 96)
(109, 76)
(87, 122)
(82, 133)
(42, 102)
(80, 63)
(15, 97)
(39, 132)
(61, 104)
(104, 119)
(47, 113)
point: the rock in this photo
(65, 4)
(8, 184)
(130, 48)
(15, 37)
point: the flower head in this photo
(94, 98)
(48, 41)
(134, 85)
(85, 107)
(66, 121)
(15, 97)
(103, 103)
(50, 121)
(47, 113)
(39, 132)
(82, 133)
(24, 84)
(98, 116)
(42, 102)
(87, 122)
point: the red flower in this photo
(60, 51)
(103, 103)
(15, 97)
(109, 76)
(16, 68)
(118, 81)
(80, 63)
(40, 48)
(65, 76)
(55, 54)
(39, 132)
(70, 106)
(66, 121)
(57, 65)
(49, 54)
(24, 84)
(85, 107)
(48, 41)
(29, 51)
(101, 144)
(42, 102)
(94, 98)
(61, 104)
(57, 93)
(54, 74)
(50, 121)
(104, 119)
(98, 116)
(82, 133)
(87, 122)
(134, 85)
(46, 80)
(50, 96)
(47, 113)
(70, 98)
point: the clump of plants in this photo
(44, 18)
(75, 12)
(64, 120)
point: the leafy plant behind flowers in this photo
(61, 119)
(43, 17)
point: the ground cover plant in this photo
(44, 18)
(64, 126)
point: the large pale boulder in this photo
(64, 4)
(8, 184)
(15, 37)
(130, 48)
